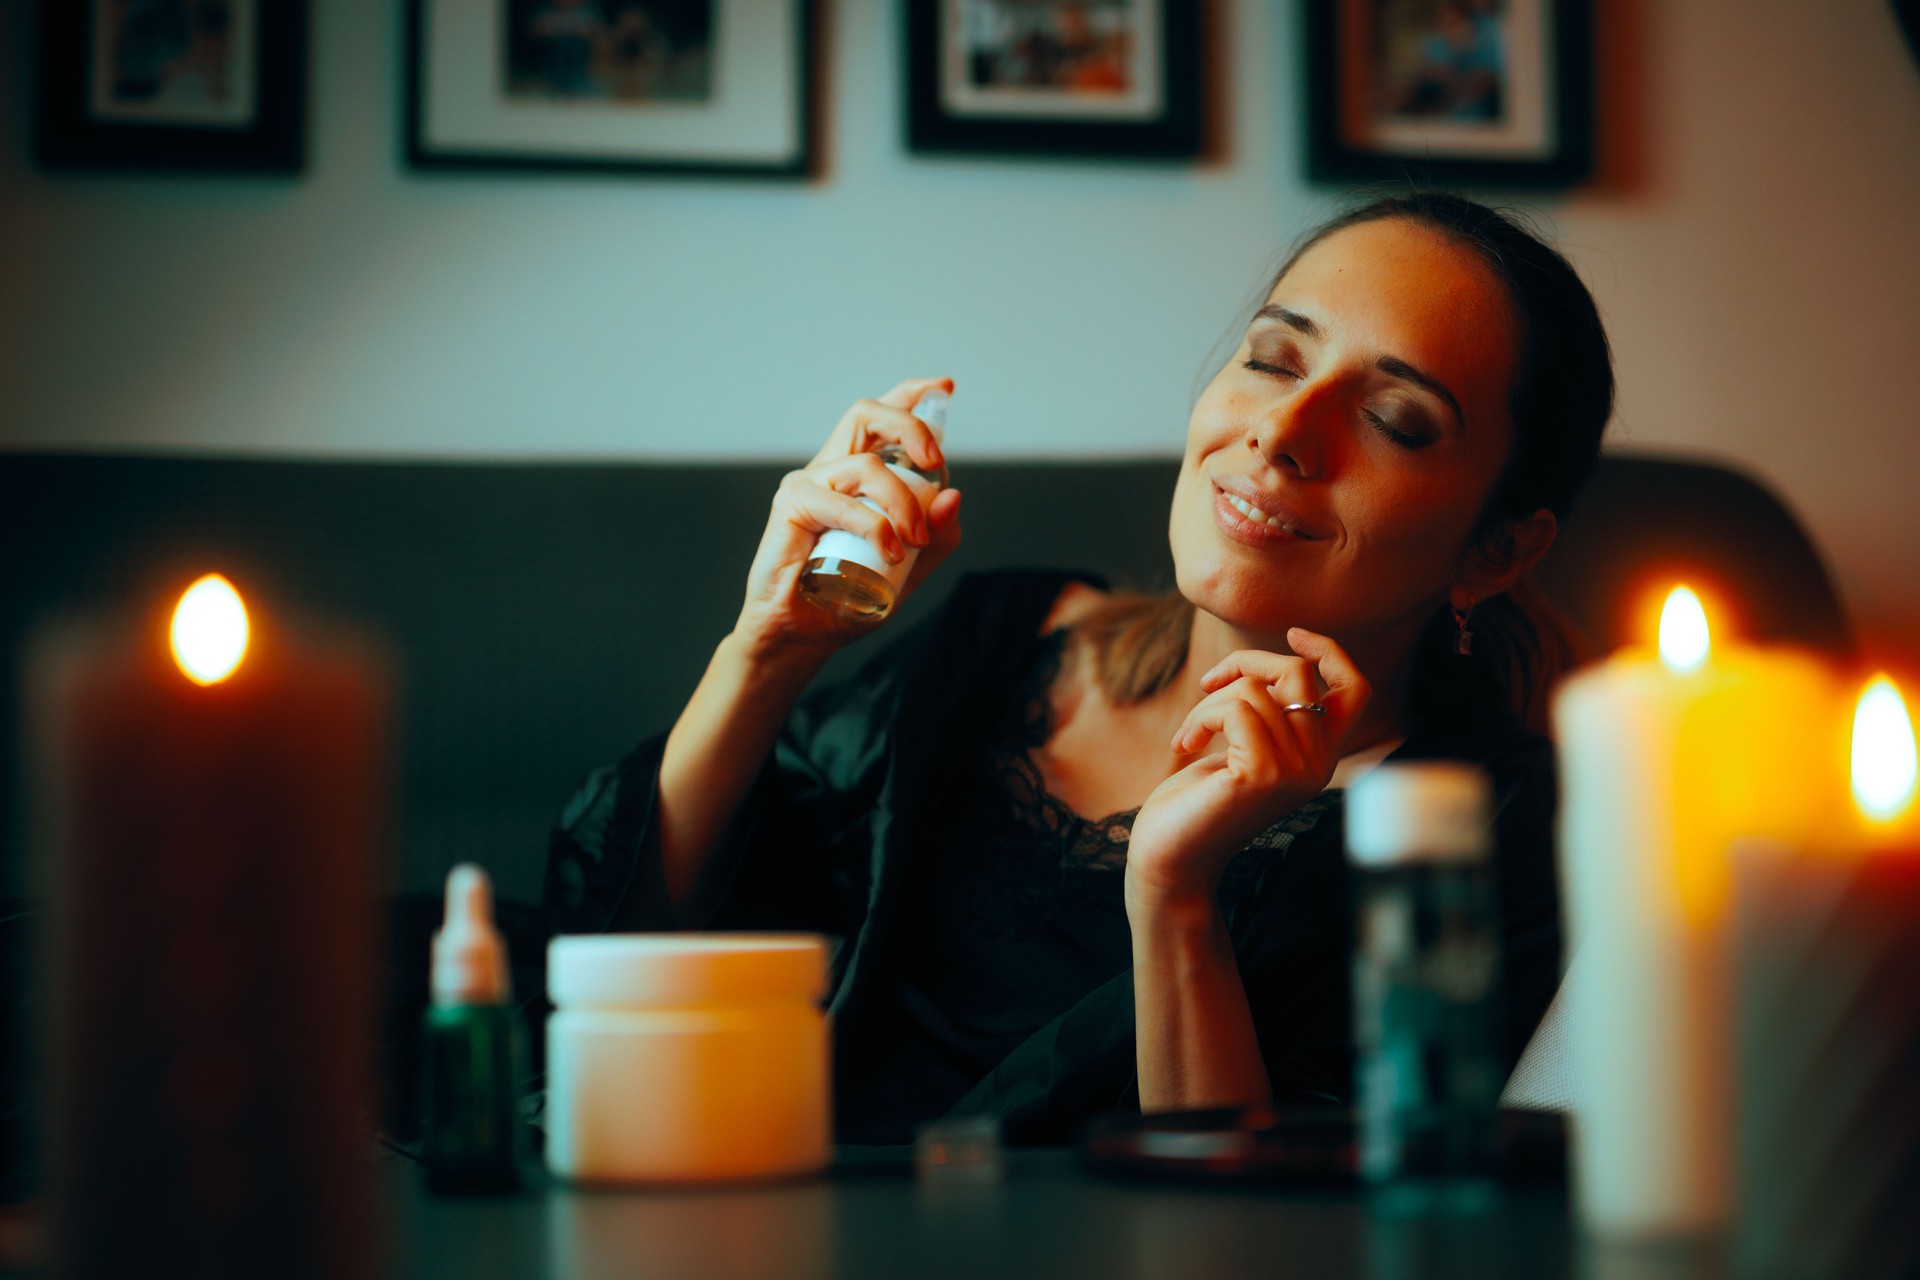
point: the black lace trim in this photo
(1096, 845)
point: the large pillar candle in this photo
(207, 809)
(1664, 758)
(1829, 1025)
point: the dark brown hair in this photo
(1560, 400)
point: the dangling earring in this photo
(1463, 644)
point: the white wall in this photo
(1754, 244)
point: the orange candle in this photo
(1829, 969)
(207, 801)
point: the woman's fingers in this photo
(1257, 698)
(1255, 753)
(1332, 679)
(907, 394)
(1347, 690)
(814, 508)
(862, 475)
(872, 424)
(943, 520)
(1257, 663)
(1285, 676)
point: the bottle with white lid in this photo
(471, 1134)
(849, 575)
(1425, 978)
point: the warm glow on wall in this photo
(209, 631)
(1683, 630)
(1884, 763)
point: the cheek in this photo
(1414, 533)
(1219, 416)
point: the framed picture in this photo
(172, 85)
(663, 86)
(1468, 92)
(1054, 77)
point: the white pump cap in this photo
(931, 408)
(1432, 811)
(469, 956)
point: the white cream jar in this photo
(686, 1057)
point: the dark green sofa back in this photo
(544, 617)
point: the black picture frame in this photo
(1540, 136)
(255, 123)
(650, 146)
(1156, 115)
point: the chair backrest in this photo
(544, 617)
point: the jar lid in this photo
(685, 970)
(1431, 811)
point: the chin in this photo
(1219, 587)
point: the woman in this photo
(1409, 414)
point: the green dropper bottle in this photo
(474, 1059)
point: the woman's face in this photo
(1365, 418)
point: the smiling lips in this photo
(1240, 517)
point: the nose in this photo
(1291, 435)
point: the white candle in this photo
(1664, 759)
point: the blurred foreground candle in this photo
(1829, 1026)
(207, 800)
(1664, 758)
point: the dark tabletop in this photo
(1046, 1219)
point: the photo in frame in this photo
(1451, 92)
(669, 86)
(1101, 78)
(215, 85)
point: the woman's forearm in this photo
(1194, 1036)
(712, 755)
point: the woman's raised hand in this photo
(1275, 760)
(777, 622)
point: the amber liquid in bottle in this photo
(847, 574)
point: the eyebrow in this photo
(1392, 366)
(1292, 319)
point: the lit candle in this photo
(1829, 1024)
(1665, 757)
(207, 805)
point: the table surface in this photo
(1046, 1219)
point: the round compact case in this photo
(675, 1058)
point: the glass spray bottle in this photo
(474, 1059)
(848, 574)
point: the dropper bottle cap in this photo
(469, 956)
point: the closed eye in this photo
(1404, 439)
(1278, 371)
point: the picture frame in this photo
(1494, 93)
(1110, 79)
(172, 86)
(678, 87)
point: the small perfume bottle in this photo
(849, 575)
(474, 1059)
(1425, 981)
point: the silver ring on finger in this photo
(1314, 707)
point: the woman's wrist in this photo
(768, 666)
(1157, 910)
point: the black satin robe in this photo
(829, 837)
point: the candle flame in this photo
(1684, 641)
(1884, 764)
(209, 630)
